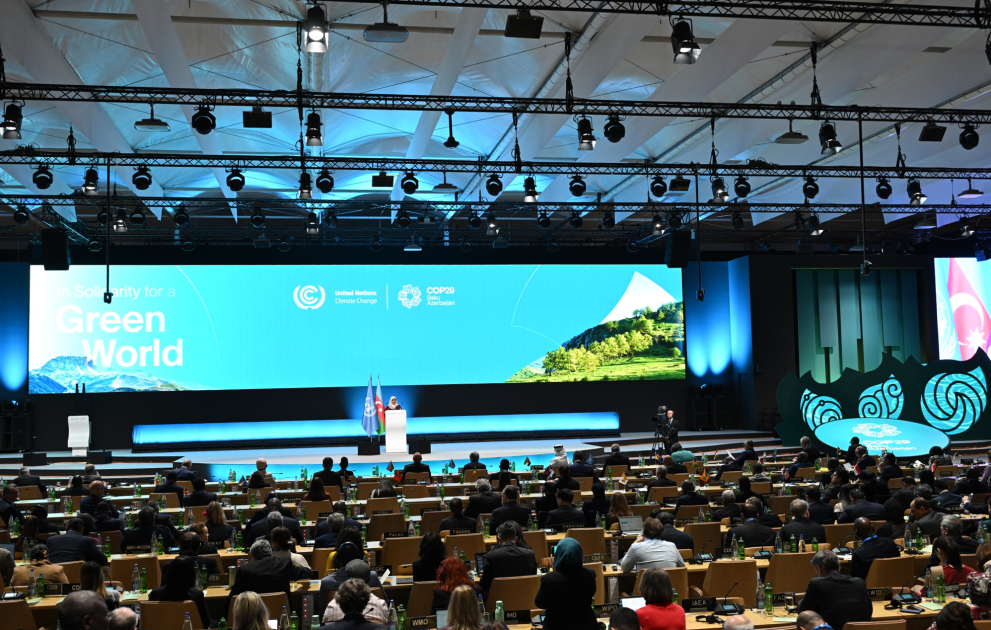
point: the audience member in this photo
(565, 480)
(861, 507)
(560, 459)
(955, 616)
(216, 523)
(871, 548)
(819, 511)
(451, 574)
(375, 611)
(615, 458)
(42, 567)
(894, 520)
(566, 515)
(624, 619)
(689, 496)
(73, 546)
(348, 548)
(484, 501)
(811, 450)
(432, 553)
(169, 487)
(729, 465)
(972, 484)
(509, 558)
(104, 521)
(122, 619)
(839, 481)
(457, 522)
(738, 622)
(90, 474)
(462, 613)
(811, 620)
(82, 610)
(838, 598)
(659, 612)
(27, 479)
(751, 533)
(951, 527)
(266, 573)
(206, 549)
(179, 585)
(40, 512)
(954, 571)
(680, 539)
(889, 468)
(328, 476)
(581, 468)
(416, 467)
(473, 463)
(199, 496)
(759, 474)
(274, 518)
(729, 510)
(681, 455)
(618, 507)
(673, 467)
(185, 470)
(764, 516)
(748, 454)
(802, 525)
(650, 550)
(335, 523)
(385, 489)
(8, 505)
(75, 488)
(97, 491)
(510, 510)
(189, 547)
(864, 461)
(570, 582)
(744, 490)
(250, 612)
(801, 461)
(662, 480)
(140, 534)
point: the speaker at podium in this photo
(395, 431)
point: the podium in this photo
(79, 433)
(395, 431)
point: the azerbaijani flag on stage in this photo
(379, 407)
(369, 421)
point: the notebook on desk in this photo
(633, 603)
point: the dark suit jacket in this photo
(415, 468)
(838, 598)
(729, 511)
(947, 500)
(326, 540)
(731, 467)
(770, 520)
(873, 511)
(904, 497)
(75, 491)
(494, 477)
(218, 533)
(174, 488)
(865, 462)
(890, 472)
(108, 525)
(804, 527)
(508, 560)
(457, 523)
(692, 498)
(561, 594)
(682, 540)
(73, 547)
(352, 622)
(482, 503)
(330, 478)
(821, 513)
(931, 524)
(196, 499)
(10, 510)
(744, 457)
(677, 468)
(195, 595)
(475, 466)
(30, 480)
(876, 491)
(209, 563)
(870, 550)
(268, 575)
(260, 530)
(184, 474)
(565, 515)
(509, 512)
(969, 486)
(88, 505)
(142, 536)
(615, 459)
(584, 469)
(813, 452)
(753, 534)
(661, 482)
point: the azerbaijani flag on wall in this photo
(379, 407)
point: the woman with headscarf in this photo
(393, 405)
(566, 593)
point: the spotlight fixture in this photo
(317, 30)
(553, 246)
(403, 219)
(577, 186)
(970, 193)
(152, 124)
(737, 221)
(285, 245)
(305, 186)
(608, 221)
(631, 246)
(376, 244)
(235, 181)
(576, 220)
(679, 185)
(42, 177)
(614, 131)
(188, 246)
(543, 221)
(966, 227)
(257, 118)
(492, 227)
(915, 195)
(451, 142)
(331, 219)
(928, 222)
(658, 188)
(827, 139)
(385, 31)
(409, 183)
(883, 189)
(383, 180)
(719, 194)
(137, 217)
(465, 244)
(657, 223)
(474, 221)
(523, 25)
(94, 245)
(810, 188)
(102, 216)
(530, 194)
(325, 183)
(686, 49)
(799, 221)
(141, 178)
(412, 247)
(968, 137)
(257, 218)
(203, 121)
(181, 217)
(865, 268)
(313, 136)
(120, 223)
(791, 136)
(494, 185)
(674, 219)
(90, 180)
(814, 228)
(931, 132)
(586, 141)
(444, 187)
(21, 215)
(12, 118)
(741, 187)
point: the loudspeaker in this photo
(55, 249)
(369, 448)
(35, 459)
(99, 457)
(419, 446)
(676, 254)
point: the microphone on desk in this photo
(699, 558)
(729, 609)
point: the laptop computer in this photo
(633, 603)
(631, 524)
(441, 618)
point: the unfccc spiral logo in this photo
(410, 296)
(307, 298)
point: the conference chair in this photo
(982, 625)
(708, 535)
(365, 489)
(121, 569)
(30, 493)
(895, 483)
(71, 570)
(415, 477)
(17, 614)
(731, 475)
(314, 509)
(980, 498)
(168, 500)
(945, 471)
(592, 539)
(116, 540)
(415, 491)
(643, 511)
(373, 506)
(780, 505)
(761, 487)
(417, 508)
(790, 568)
(677, 478)
(517, 593)
(475, 473)
(319, 560)
(273, 601)
(617, 472)
(806, 473)
(430, 521)
(875, 625)
(679, 581)
(170, 615)
(691, 511)
(970, 559)
(400, 551)
(600, 582)
(184, 484)
(891, 572)
(538, 542)
(722, 574)
(420, 599)
(658, 494)
(379, 524)
(469, 543)
(585, 483)
(838, 534)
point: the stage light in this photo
(403, 219)
(657, 225)
(257, 218)
(409, 183)
(235, 181)
(967, 228)
(376, 245)
(971, 192)
(931, 132)
(385, 31)
(188, 246)
(552, 246)
(465, 244)
(679, 185)
(658, 187)
(814, 226)
(312, 223)
(543, 221)
(614, 131)
(915, 195)
(305, 186)
(325, 183)
(285, 245)
(152, 124)
(576, 220)
(120, 223)
(90, 180)
(741, 187)
(674, 219)
(94, 245)
(42, 177)
(577, 186)
(686, 49)
(607, 222)
(383, 180)
(331, 219)
(492, 227)
(737, 221)
(181, 217)
(586, 141)
(12, 119)
(21, 215)
(719, 194)
(791, 136)
(865, 268)
(827, 139)
(632, 247)
(530, 190)
(810, 188)
(317, 30)
(141, 178)
(102, 216)
(203, 121)
(313, 136)
(799, 221)
(968, 137)
(494, 185)
(474, 221)
(137, 217)
(523, 25)
(883, 189)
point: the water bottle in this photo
(32, 585)
(135, 579)
(598, 520)
(481, 609)
(488, 528)
(223, 624)
(793, 544)
(801, 543)
(284, 619)
(941, 588)
(154, 544)
(187, 624)
(393, 617)
(231, 575)
(106, 547)
(918, 538)
(364, 534)
(199, 578)
(41, 585)
(15, 527)
(674, 597)
(533, 520)
(815, 545)
(302, 514)
(734, 548)
(294, 620)
(928, 592)
(500, 613)
(742, 549)
(769, 599)
(401, 617)
(144, 580)
(760, 596)
(314, 622)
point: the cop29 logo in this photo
(309, 296)
(409, 296)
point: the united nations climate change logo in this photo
(409, 296)
(306, 297)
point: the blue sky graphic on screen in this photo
(253, 327)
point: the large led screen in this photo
(963, 301)
(253, 327)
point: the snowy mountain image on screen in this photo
(61, 374)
